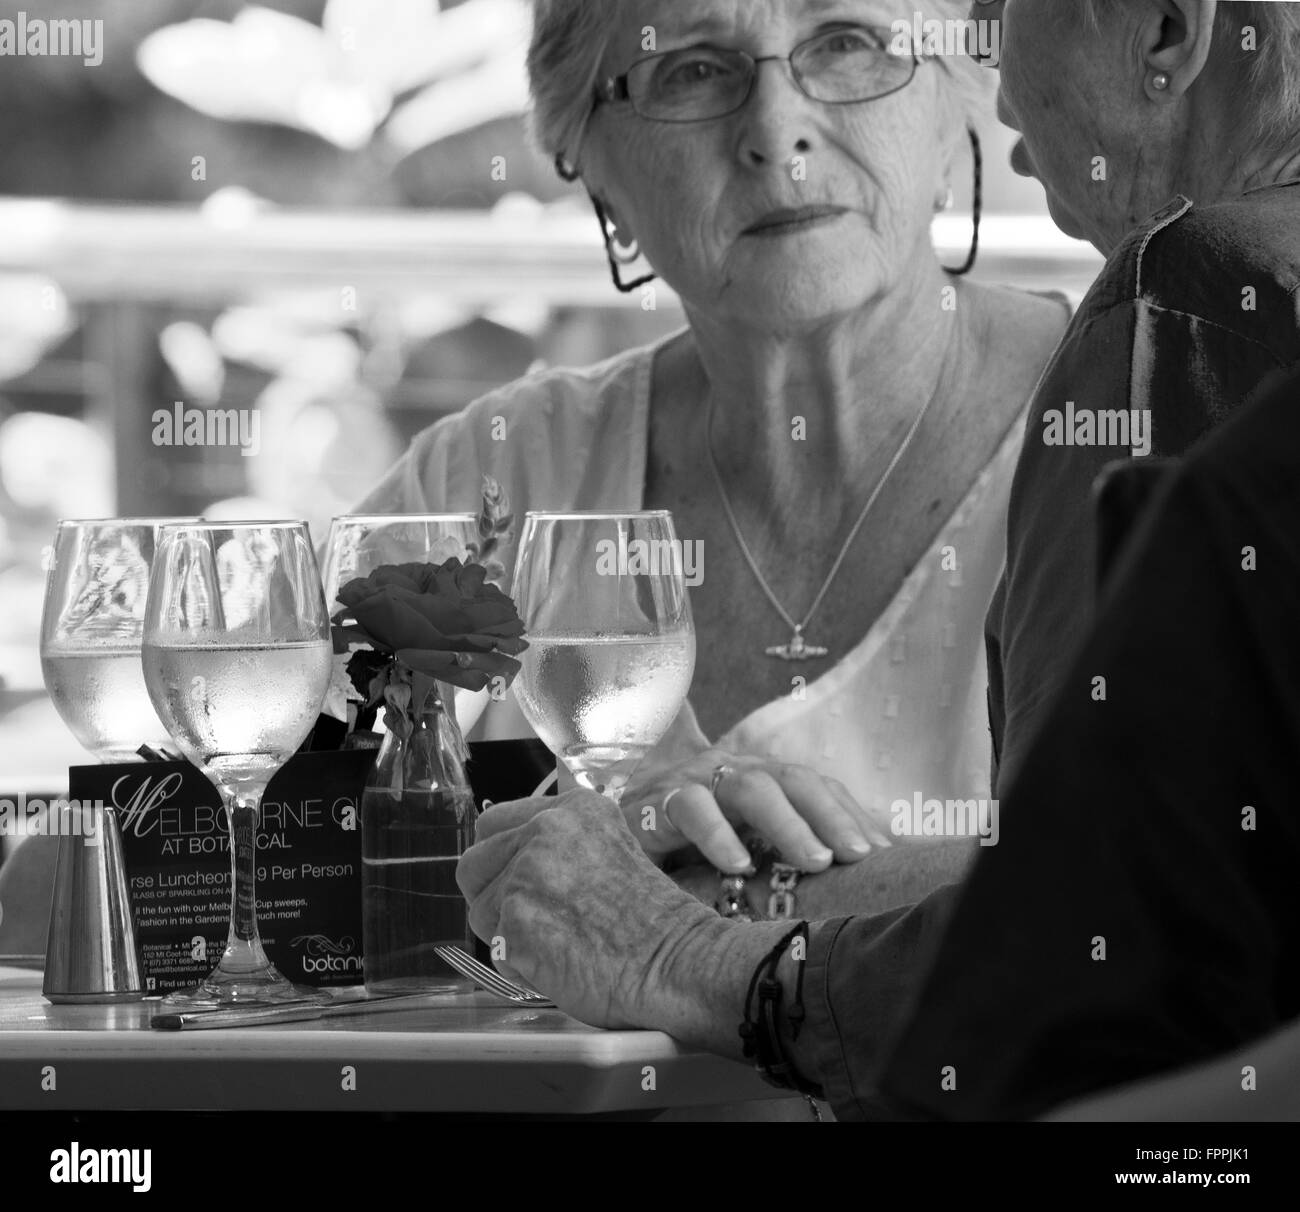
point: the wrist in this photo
(696, 989)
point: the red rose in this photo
(442, 620)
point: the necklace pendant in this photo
(797, 649)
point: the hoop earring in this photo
(977, 206)
(617, 255)
(563, 170)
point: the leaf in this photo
(486, 92)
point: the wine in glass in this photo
(237, 659)
(611, 643)
(91, 628)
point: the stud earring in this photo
(1160, 81)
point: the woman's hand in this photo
(571, 904)
(812, 820)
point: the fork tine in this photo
(467, 965)
(489, 978)
(471, 966)
(461, 962)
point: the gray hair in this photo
(571, 37)
(1270, 99)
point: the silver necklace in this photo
(798, 649)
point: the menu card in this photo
(176, 848)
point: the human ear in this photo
(1176, 39)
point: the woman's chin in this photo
(797, 312)
(1065, 219)
(805, 290)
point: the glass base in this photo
(450, 985)
(260, 988)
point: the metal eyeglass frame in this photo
(615, 89)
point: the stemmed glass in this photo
(237, 659)
(358, 544)
(611, 642)
(91, 627)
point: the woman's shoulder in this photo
(1023, 326)
(1046, 311)
(537, 435)
(547, 396)
(1021, 330)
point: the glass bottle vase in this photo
(417, 819)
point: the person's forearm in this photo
(885, 879)
(706, 979)
(698, 993)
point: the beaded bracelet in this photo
(761, 1037)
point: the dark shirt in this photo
(1168, 327)
(1190, 313)
(1141, 911)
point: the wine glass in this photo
(237, 659)
(611, 644)
(91, 626)
(359, 543)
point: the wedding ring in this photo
(719, 773)
(663, 808)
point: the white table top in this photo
(475, 1054)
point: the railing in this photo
(191, 257)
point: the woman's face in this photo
(1068, 89)
(702, 198)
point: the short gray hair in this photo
(570, 38)
(1270, 99)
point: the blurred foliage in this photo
(439, 111)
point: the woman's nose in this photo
(775, 123)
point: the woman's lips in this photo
(1020, 161)
(789, 222)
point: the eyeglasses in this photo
(843, 66)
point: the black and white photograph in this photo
(649, 561)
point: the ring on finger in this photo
(663, 807)
(719, 773)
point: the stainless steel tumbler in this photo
(91, 953)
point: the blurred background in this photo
(323, 210)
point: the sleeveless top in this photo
(903, 713)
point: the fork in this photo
(491, 980)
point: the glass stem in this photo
(242, 815)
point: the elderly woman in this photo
(1182, 117)
(837, 424)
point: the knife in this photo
(289, 1012)
(23, 961)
